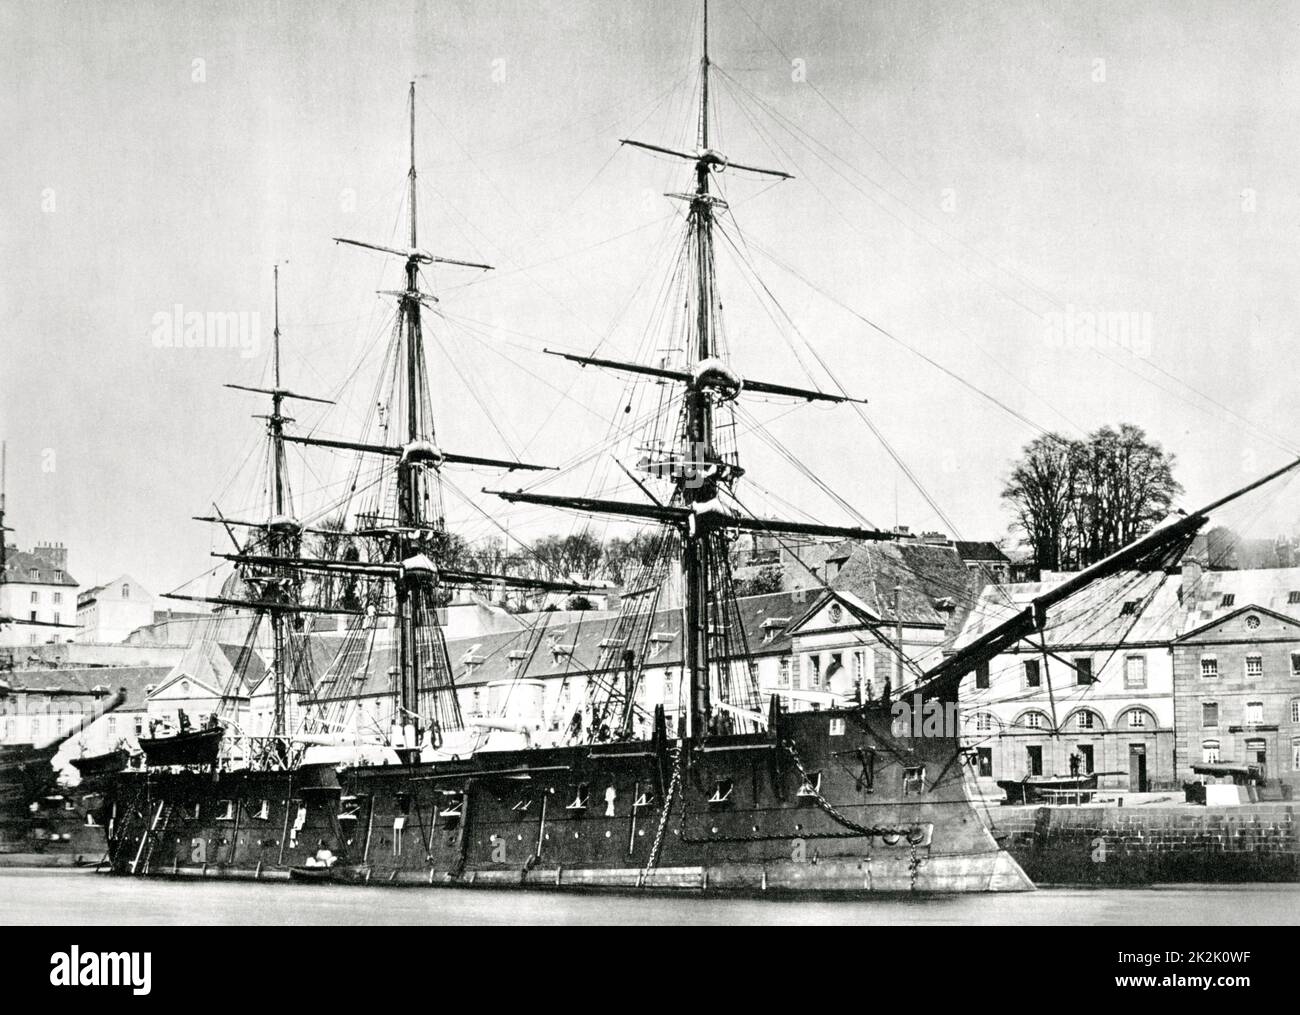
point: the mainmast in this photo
(279, 535)
(408, 690)
(699, 472)
(701, 486)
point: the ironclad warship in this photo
(739, 795)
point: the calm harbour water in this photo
(84, 898)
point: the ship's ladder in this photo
(120, 822)
(161, 818)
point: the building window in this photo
(984, 757)
(1135, 672)
(1209, 667)
(112, 726)
(56, 616)
(32, 616)
(1295, 664)
(982, 676)
(814, 672)
(1295, 754)
(36, 596)
(1295, 710)
(1210, 752)
(670, 687)
(58, 597)
(783, 672)
(1032, 676)
(1033, 720)
(1254, 713)
(1209, 713)
(1086, 759)
(35, 575)
(983, 722)
(126, 591)
(1085, 720)
(1083, 670)
(1137, 719)
(1254, 665)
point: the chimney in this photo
(1194, 563)
(54, 554)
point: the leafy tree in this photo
(1080, 501)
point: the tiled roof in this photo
(19, 565)
(980, 551)
(1270, 588)
(85, 678)
(553, 647)
(929, 576)
(1130, 607)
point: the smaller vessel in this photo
(1033, 789)
(185, 746)
(94, 765)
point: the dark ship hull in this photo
(829, 803)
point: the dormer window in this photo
(1228, 599)
(34, 574)
(659, 640)
(126, 590)
(516, 657)
(471, 659)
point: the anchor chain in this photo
(653, 860)
(830, 809)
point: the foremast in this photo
(415, 538)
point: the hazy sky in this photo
(963, 172)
